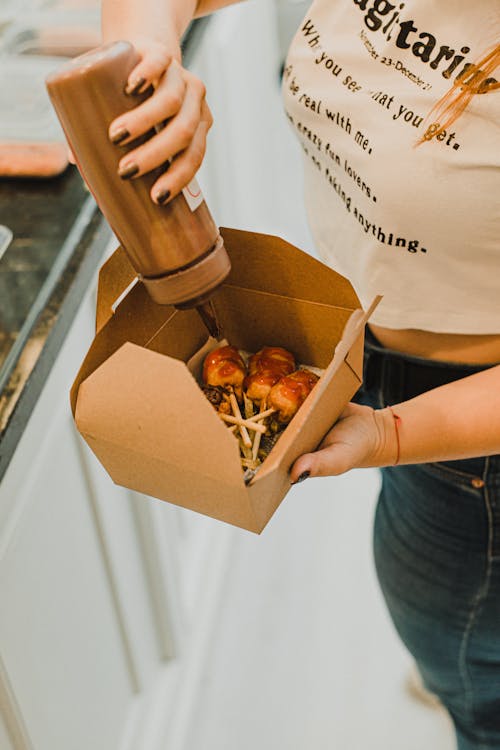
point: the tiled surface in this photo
(41, 215)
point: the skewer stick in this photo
(255, 426)
(258, 435)
(261, 415)
(243, 430)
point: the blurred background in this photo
(127, 623)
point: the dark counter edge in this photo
(53, 324)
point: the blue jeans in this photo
(437, 556)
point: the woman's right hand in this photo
(178, 97)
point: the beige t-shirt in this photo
(420, 225)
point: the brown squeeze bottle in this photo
(176, 249)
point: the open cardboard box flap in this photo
(140, 409)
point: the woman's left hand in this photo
(360, 438)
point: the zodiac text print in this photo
(383, 17)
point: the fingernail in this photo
(128, 171)
(134, 86)
(117, 136)
(305, 475)
(162, 196)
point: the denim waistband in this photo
(390, 377)
(405, 376)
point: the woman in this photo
(420, 224)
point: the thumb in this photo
(332, 460)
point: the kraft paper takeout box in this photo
(141, 411)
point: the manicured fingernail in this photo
(128, 171)
(305, 475)
(162, 196)
(117, 136)
(134, 86)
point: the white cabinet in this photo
(107, 597)
(63, 652)
(61, 642)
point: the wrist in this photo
(387, 451)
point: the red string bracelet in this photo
(397, 421)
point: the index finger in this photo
(148, 71)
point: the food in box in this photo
(138, 403)
(256, 395)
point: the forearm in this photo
(457, 420)
(162, 20)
